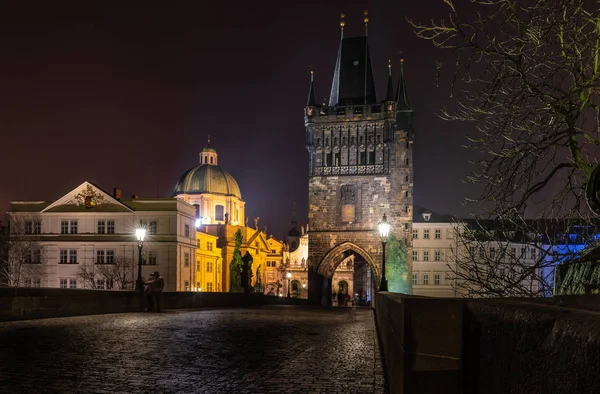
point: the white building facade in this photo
(86, 239)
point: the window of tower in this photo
(372, 157)
(219, 212)
(363, 158)
(211, 160)
(336, 159)
(328, 159)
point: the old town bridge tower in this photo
(360, 167)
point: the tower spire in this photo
(366, 20)
(390, 86)
(311, 92)
(402, 93)
(208, 141)
(342, 24)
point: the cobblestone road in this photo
(279, 349)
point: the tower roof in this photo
(402, 93)
(353, 82)
(311, 102)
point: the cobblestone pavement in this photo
(279, 349)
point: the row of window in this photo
(272, 264)
(209, 245)
(102, 227)
(70, 256)
(437, 234)
(209, 266)
(437, 255)
(493, 252)
(437, 279)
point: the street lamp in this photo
(140, 234)
(384, 230)
(289, 277)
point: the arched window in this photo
(211, 160)
(219, 210)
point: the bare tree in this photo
(23, 264)
(527, 74)
(118, 275)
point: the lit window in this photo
(72, 256)
(110, 227)
(415, 234)
(425, 279)
(436, 279)
(425, 255)
(425, 234)
(414, 279)
(153, 225)
(63, 259)
(101, 226)
(198, 267)
(209, 286)
(100, 255)
(209, 246)
(186, 286)
(438, 255)
(73, 224)
(151, 258)
(110, 257)
(209, 266)
(186, 259)
(64, 227)
(63, 283)
(415, 255)
(438, 234)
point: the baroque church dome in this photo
(207, 177)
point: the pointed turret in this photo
(404, 112)
(353, 82)
(402, 94)
(311, 92)
(390, 86)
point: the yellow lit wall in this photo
(208, 263)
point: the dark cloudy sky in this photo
(125, 96)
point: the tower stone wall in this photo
(360, 168)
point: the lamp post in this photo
(384, 230)
(140, 234)
(303, 285)
(289, 277)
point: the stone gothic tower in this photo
(360, 167)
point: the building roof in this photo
(353, 82)
(424, 215)
(207, 178)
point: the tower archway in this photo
(340, 253)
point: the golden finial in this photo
(389, 66)
(209, 140)
(401, 58)
(342, 21)
(366, 14)
(312, 73)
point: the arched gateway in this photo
(360, 167)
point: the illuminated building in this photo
(85, 239)
(220, 213)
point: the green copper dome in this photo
(207, 178)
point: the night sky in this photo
(125, 97)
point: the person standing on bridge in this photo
(157, 287)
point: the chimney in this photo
(117, 193)
(134, 196)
